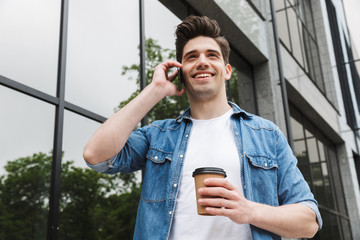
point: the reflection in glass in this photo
(321, 151)
(346, 228)
(323, 176)
(283, 28)
(336, 180)
(26, 141)
(318, 183)
(155, 26)
(242, 90)
(29, 41)
(93, 205)
(279, 4)
(103, 37)
(327, 185)
(77, 131)
(294, 35)
(297, 129)
(312, 150)
(303, 160)
(246, 19)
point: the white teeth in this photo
(203, 75)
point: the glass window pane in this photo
(297, 129)
(156, 28)
(312, 150)
(328, 187)
(160, 44)
(303, 160)
(241, 84)
(279, 4)
(294, 35)
(346, 228)
(101, 40)
(93, 205)
(330, 228)
(336, 177)
(300, 152)
(26, 142)
(319, 190)
(29, 41)
(321, 151)
(282, 23)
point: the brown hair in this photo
(194, 26)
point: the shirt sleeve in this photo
(315, 208)
(131, 158)
(292, 186)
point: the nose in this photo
(202, 62)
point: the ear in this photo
(227, 71)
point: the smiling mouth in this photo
(203, 75)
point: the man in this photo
(264, 195)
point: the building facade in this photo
(63, 72)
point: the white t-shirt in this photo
(211, 144)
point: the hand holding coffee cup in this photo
(200, 174)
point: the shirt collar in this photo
(237, 112)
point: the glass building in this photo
(66, 66)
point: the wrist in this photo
(255, 212)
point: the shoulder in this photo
(252, 121)
(256, 123)
(163, 125)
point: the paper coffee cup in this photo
(200, 174)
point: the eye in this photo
(213, 55)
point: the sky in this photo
(27, 53)
(103, 36)
(352, 10)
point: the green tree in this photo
(24, 192)
(97, 206)
(168, 107)
(92, 205)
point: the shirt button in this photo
(244, 186)
(110, 165)
(175, 185)
(265, 164)
(181, 155)
(170, 212)
(156, 157)
(187, 135)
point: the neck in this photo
(208, 109)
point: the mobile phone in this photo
(180, 78)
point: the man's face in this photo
(204, 69)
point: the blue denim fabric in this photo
(268, 169)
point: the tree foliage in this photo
(92, 205)
(169, 107)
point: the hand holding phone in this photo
(180, 78)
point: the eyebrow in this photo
(208, 50)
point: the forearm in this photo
(291, 221)
(111, 136)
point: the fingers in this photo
(168, 65)
(219, 182)
(222, 189)
(217, 202)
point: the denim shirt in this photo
(269, 174)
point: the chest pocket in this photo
(262, 172)
(156, 175)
